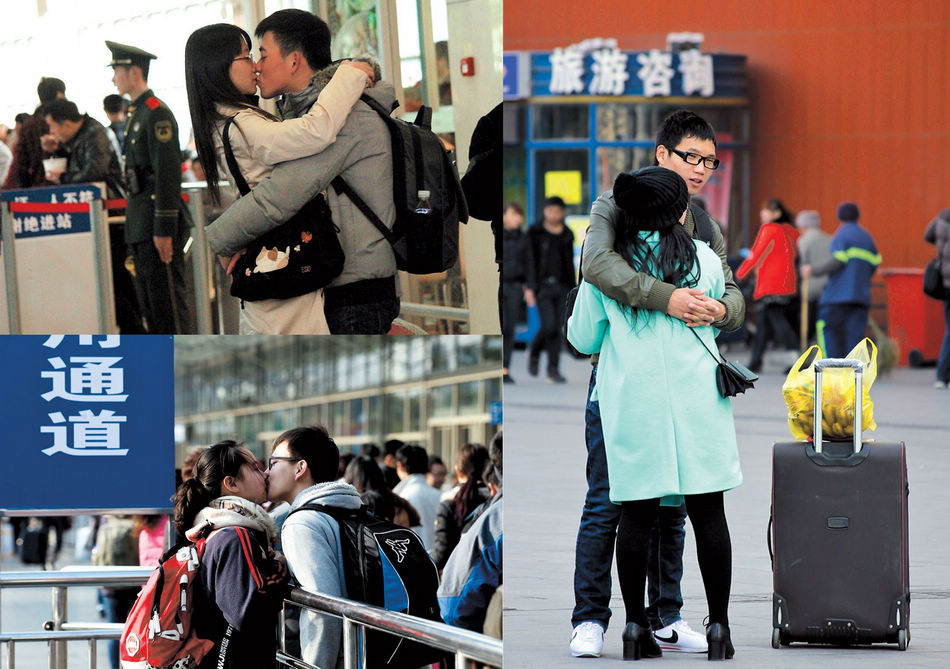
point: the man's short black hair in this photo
(297, 30)
(414, 458)
(113, 104)
(435, 460)
(313, 444)
(679, 124)
(49, 88)
(555, 201)
(61, 109)
(21, 117)
(392, 446)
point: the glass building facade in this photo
(435, 391)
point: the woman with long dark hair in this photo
(365, 475)
(221, 81)
(668, 433)
(241, 581)
(452, 515)
(772, 258)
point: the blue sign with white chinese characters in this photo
(52, 222)
(654, 73)
(495, 410)
(87, 421)
(513, 75)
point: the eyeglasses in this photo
(695, 159)
(276, 458)
(250, 57)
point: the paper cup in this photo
(54, 165)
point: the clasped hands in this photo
(694, 307)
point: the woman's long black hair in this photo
(784, 215)
(471, 461)
(209, 53)
(215, 463)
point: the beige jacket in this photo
(259, 143)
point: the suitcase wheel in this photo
(902, 639)
(776, 637)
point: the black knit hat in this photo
(655, 197)
(848, 212)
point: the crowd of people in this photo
(322, 131)
(257, 547)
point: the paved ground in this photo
(544, 492)
(26, 609)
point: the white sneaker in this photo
(941, 384)
(587, 640)
(680, 636)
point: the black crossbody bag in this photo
(732, 378)
(296, 258)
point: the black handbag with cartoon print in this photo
(298, 257)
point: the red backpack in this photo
(158, 631)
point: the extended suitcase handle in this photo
(840, 363)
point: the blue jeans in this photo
(841, 327)
(597, 534)
(943, 362)
(369, 318)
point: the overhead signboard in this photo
(88, 423)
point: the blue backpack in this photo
(387, 565)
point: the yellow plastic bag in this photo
(837, 395)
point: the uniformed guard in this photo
(155, 227)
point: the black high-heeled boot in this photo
(719, 642)
(638, 642)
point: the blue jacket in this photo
(474, 571)
(850, 283)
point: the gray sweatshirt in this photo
(311, 544)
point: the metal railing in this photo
(57, 631)
(465, 645)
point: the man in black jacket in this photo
(90, 158)
(551, 277)
(514, 274)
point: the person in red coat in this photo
(772, 258)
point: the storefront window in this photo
(468, 397)
(616, 123)
(561, 122)
(415, 411)
(612, 160)
(568, 161)
(358, 419)
(394, 419)
(440, 402)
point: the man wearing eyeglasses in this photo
(302, 470)
(685, 144)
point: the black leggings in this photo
(713, 548)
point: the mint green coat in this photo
(667, 431)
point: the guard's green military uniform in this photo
(153, 179)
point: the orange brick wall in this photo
(849, 100)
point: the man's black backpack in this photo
(386, 565)
(425, 239)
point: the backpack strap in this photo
(704, 223)
(343, 188)
(336, 512)
(232, 163)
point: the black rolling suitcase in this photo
(839, 533)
